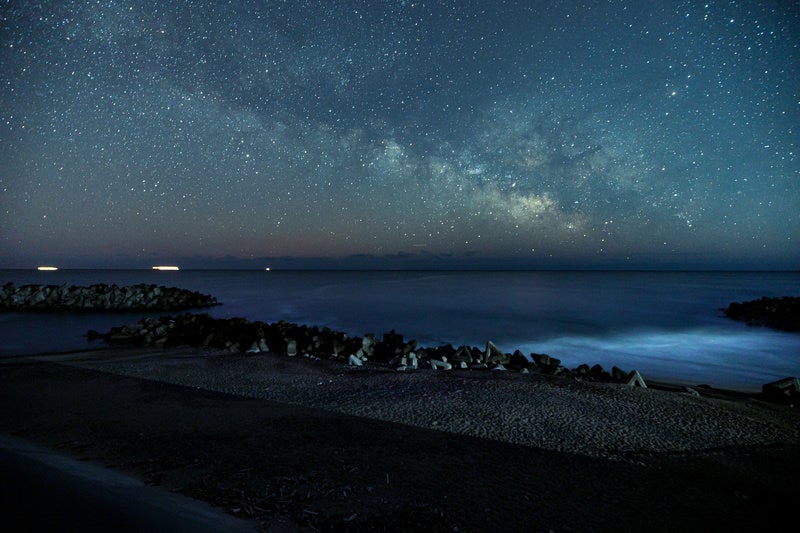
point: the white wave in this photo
(744, 358)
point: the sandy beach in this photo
(301, 444)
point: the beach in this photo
(302, 444)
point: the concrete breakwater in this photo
(238, 335)
(389, 352)
(100, 297)
(778, 313)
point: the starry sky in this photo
(395, 134)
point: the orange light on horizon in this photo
(165, 268)
(48, 268)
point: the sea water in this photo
(667, 325)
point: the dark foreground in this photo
(48, 491)
(297, 468)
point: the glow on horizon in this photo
(167, 267)
(46, 268)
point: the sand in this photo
(298, 444)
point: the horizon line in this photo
(411, 269)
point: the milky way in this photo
(530, 134)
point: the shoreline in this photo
(655, 381)
(664, 383)
(712, 387)
(371, 448)
(661, 383)
(239, 335)
(484, 400)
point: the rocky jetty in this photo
(778, 313)
(100, 297)
(391, 350)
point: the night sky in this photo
(400, 134)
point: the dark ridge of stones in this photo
(778, 313)
(100, 298)
(391, 350)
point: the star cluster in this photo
(509, 132)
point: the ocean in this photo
(667, 325)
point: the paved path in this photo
(45, 491)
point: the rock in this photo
(463, 354)
(100, 297)
(786, 391)
(444, 352)
(691, 392)
(390, 347)
(597, 372)
(291, 348)
(617, 374)
(552, 370)
(338, 347)
(518, 361)
(477, 354)
(542, 359)
(636, 379)
(235, 333)
(778, 313)
(495, 355)
(368, 344)
(437, 364)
